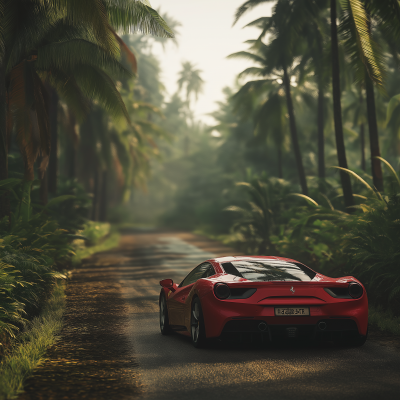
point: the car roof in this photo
(251, 258)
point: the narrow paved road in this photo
(110, 346)
(171, 368)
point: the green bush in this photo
(11, 310)
(71, 214)
(365, 244)
(373, 250)
(33, 247)
(29, 252)
(94, 231)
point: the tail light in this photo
(222, 291)
(355, 290)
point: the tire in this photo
(358, 341)
(197, 327)
(164, 320)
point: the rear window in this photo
(269, 270)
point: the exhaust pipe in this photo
(262, 326)
(322, 325)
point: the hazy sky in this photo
(205, 38)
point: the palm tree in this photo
(355, 109)
(277, 57)
(367, 60)
(264, 102)
(313, 60)
(337, 111)
(359, 40)
(19, 51)
(192, 83)
(116, 154)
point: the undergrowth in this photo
(31, 345)
(317, 231)
(108, 243)
(384, 320)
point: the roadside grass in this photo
(226, 239)
(27, 350)
(108, 243)
(385, 321)
(31, 345)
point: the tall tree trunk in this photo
(71, 145)
(103, 201)
(71, 161)
(280, 169)
(293, 132)
(53, 126)
(43, 191)
(337, 111)
(362, 136)
(320, 124)
(95, 205)
(319, 68)
(362, 139)
(4, 198)
(373, 136)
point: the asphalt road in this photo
(170, 367)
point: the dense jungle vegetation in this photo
(77, 130)
(302, 161)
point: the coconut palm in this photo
(116, 153)
(313, 61)
(355, 108)
(19, 48)
(337, 109)
(264, 102)
(385, 15)
(356, 26)
(277, 58)
(192, 84)
(190, 81)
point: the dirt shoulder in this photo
(93, 357)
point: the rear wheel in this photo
(164, 320)
(197, 328)
(359, 341)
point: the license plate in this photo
(290, 311)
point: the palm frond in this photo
(97, 85)
(92, 13)
(136, 16)
(355, 28)
(69, 91)
(247, 6)
(309, 199)
(67, 55)
(390, 168)
(350, 172)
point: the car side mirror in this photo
(168, 283)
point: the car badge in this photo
(292, 289)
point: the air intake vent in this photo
(241, 293)
(338, 292)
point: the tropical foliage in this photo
(66, 83)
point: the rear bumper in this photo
(342, 318)
(252, 329)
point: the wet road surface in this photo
(170, 367)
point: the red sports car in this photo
(271, 298)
